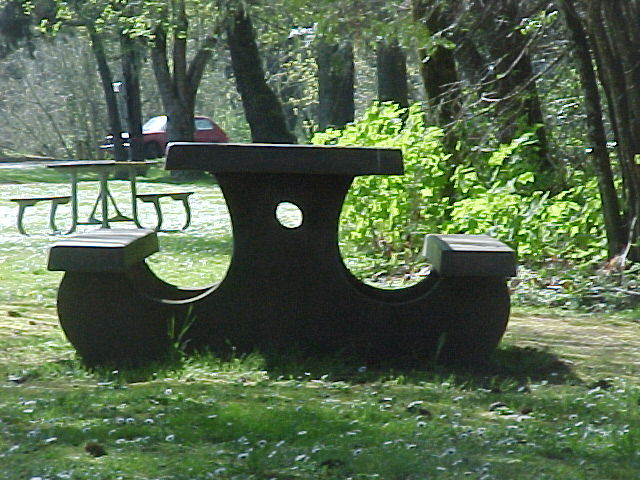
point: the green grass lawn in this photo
(559, 400)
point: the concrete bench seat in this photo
(25, 202)
(469, 256)
(104, 250)
(154, 198)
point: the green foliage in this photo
(390, 213)
(538, 226)
(387, 217)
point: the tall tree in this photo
(437, 62)
(391, 72)
(106, 80)
(131, 49)
(336, 74)
(178, 78)
(595, 126)
(15, 27)
(514, 92)
(262, 107)
(613, 44)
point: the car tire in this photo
(152, 150)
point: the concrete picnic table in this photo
(287, 288)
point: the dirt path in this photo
(595, 346)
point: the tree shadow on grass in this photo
(531, 363)
(509, 363)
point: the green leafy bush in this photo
(385, 218)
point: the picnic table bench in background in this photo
(25, 202)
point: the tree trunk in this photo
(131, 76)
(515, 95)
(106, 80)
(437, 66)
(392, 73)
(336, 74)
(262, 108)
(595, 127)
(178, 89)
(441, 83)
(612, 72)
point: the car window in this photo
(203, 124)
(155, 124)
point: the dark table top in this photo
(284, 159)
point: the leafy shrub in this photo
(385, 218)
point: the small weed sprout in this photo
(177, 333)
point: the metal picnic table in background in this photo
(287, 288)
(104, 202)
(104, 170)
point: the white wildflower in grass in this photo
(170, 438)
(362, 369)
(357, 452)
(280, 443)
(149, 421)
(301, 458)
(130, 420)
(449, 451)
(421, 424)
(168, 391)
(302, 432)
(243, 456)
(261, 443)
(219, 471)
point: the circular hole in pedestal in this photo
(289, 215)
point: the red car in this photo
(154, 135)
